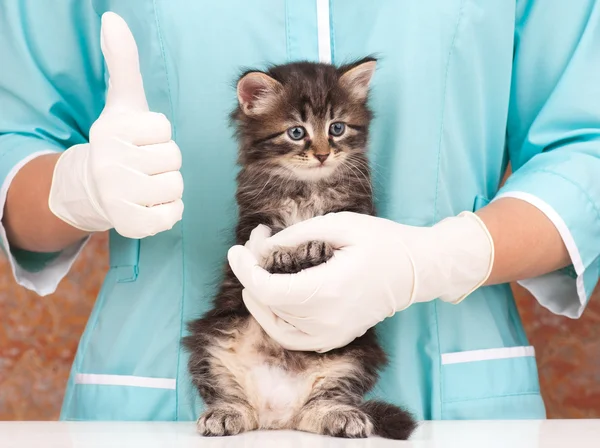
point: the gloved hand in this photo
(127, 176)
(379, 267)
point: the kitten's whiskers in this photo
(358, 174)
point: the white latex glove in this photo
(379, 267)
(128, 176)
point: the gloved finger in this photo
(333, 228)
(137, 129)
(256, 242)
(154, 190)
(314, 334)
(288, 336)
(156, 159)
(273, 289)
(137, 221)
(126, 87)
(153, 220)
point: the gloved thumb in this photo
(256, 242)
(125, 88)
(251, 275)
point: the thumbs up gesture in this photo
(127, 177)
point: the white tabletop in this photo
(464, 434)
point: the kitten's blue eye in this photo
(337, 129)
(296, 133)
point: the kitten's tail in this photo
(389, 421)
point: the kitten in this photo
(302, 131)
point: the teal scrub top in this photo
(463, 87)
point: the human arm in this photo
(29, 223)
(49, 98)
(527, 243)
(123, 175)
(381, 267)
(553, 139)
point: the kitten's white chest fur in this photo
(293, 211)
(278, 393)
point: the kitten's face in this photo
(304, 120)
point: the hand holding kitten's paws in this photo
(289, 260)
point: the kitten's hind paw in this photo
(333, 419)
(348, 423)
(224, 422)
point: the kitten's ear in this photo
(357, 77)
(256, 91)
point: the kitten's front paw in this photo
(350, 423)
(222, 422)
(286, 260)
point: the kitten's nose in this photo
(321, 157)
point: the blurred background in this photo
(39, 336)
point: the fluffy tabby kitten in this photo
(302, 131)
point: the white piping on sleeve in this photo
(324, 31)
(125, 380)
(487, 354)
(563, 230)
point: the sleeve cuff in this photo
(566, 291)
(40, 273)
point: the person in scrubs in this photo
(91, 140)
